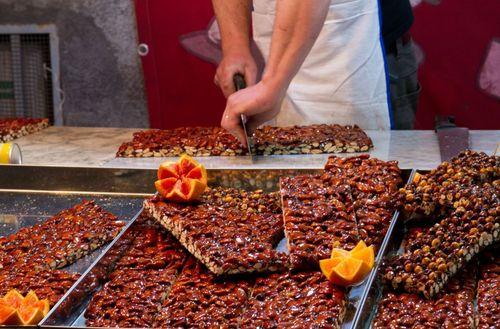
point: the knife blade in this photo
(239, 83)
(452, 139)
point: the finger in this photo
(227, 86)
(216, 80)
(232, 123)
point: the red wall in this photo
(454, 37)
(180, 86)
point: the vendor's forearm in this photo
(296, 27)
(233, 17)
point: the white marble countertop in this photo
(96, 147)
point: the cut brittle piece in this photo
(61, 239)
(201, 299)
(318, 216)
(373, 184)
(47, 284)
(433, 256)
(228, 230)
(452, 308)
(488, 287)
(294, 300)
(316, 139)
(152, 248)
(131, 298)
(443, 188)
(13, 128)
(197, 141)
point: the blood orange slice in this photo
(13, 298)
(181, 181)
(30, 315)
(44, 306)
(29, 312)
(8, 314)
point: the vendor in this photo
(324, 63)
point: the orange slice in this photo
(349, 271)
(8, 314)
(337, 252)
(366, 255)
(327, 265)
(361, 245)
(181, 181)
(44, 306)
(13, 298)
(31, 299)
(29, 314)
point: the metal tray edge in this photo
(41, 324)
(357, 320)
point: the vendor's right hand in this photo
(240, 61)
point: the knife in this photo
(452, 139)
(239, 83)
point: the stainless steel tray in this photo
(30, 195)
(69, 311)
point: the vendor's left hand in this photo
(260, 103)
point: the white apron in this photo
(342, 80)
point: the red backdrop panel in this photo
(179, 86)
(455, 37)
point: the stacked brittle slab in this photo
(13, 128)
(353, 199)
(30, 258)
(141, 279)
(373, 183)
(214, 141)
(229, 230)
(201, 299)
(451, 308)
(317, 215)
(488, 289)
(294, 300)
(463, 198)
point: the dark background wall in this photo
(101, 73)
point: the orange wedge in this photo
(327, 265)
(349, 271)
(347, 268)
(361, 245)
(367, 255)
(337, 252)
(8, 314)
(13, 298)
(31, 299)
(44, 306)
(30, 315)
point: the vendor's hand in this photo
(234, 62)
(260, 103)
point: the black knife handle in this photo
(239, 81)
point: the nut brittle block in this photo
(131, 298)
(229, 230)
(318, 216)
(200, 299)
(294, 300)
(452, 308)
